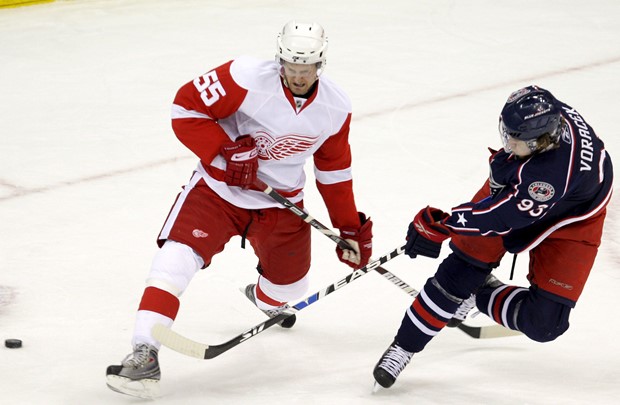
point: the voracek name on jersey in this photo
(587, 149)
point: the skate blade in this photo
(146, 389)
(377, 387)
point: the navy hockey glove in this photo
(360, 240)
(426, 233)
(241, 161)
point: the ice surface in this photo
(89, 168)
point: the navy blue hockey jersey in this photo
(532, 197)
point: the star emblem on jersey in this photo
(461, 219)
(271, 148)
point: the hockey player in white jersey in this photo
(245, 120)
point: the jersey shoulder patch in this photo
(541, 191)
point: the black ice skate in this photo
(392, 362)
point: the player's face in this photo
(299, 77)
(517, 147)
(513, 145)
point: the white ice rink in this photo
(89, 167)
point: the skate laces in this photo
(139, 357)
(272, 313)
(466, 306)
(395, 360)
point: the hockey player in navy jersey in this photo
(547, 193)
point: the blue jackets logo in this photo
(541, 191)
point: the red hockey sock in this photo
(159, 301)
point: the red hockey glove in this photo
(360, 240)
(426, 233)
(241, 161)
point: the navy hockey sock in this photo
(501, 303)
(428, 314)
(539, 315)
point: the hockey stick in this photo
(488, 332)
(343, 244)
(477, 332)
(288, 204)
(186, 346)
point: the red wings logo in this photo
(270, 148)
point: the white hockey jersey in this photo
(247, 97)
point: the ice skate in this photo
(271, 313)
(138, 374)
(470, 303)
(392, 362)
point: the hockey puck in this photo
(13, 343)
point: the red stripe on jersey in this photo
(202, 136)
(160, 301)
(340, 203)
(427, 316)
(335, 155)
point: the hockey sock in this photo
(428, 314)
(501, 303)
(160, 301)
(263, 299)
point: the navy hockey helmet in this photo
(529, 113)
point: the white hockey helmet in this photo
(302, 43)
